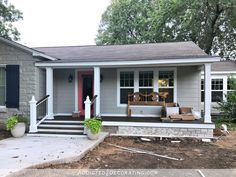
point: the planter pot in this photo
(18, 130)
(92, 136)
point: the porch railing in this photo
(38, 112)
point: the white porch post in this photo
(97, 89)
(49, 91)
(87, 111)
(33, 115)
(207, 91)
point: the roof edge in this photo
(34, 52)
(129, 63)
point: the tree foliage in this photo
(8, 15)
(211, 24)
(228, 107)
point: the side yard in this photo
(193, 153)
(3, 132)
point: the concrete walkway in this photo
(20, 153)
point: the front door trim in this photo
(80, 89)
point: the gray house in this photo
(62, 77)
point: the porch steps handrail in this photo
(38, 109)
(42, 100)
(93, 99)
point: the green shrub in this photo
(13, 120)
(227, 107)
(94, 124)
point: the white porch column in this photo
(97, 89)
(49, 91)
(207, 91)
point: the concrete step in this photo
(64, 121)
(50, 134)
(61, 125)
(56, 130)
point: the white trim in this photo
(225, 78)
(220, 72)
(160, 125)
(49, 91)
(207, 93)
(125, 63)
(97, 90)
(133, 115)
(76, 91)
(63, 114)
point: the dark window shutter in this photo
(12, 92)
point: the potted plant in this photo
(17, 125)
(94, 126)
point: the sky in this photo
(59, 22)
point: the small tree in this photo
(228, 107)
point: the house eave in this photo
(129, 63)
(26, 49)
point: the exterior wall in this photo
(188, 92)
(63, 91)
(189, 87)
(40, 83)
(109, 98)
(159, 131)
(12, 56)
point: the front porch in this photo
(71, 89)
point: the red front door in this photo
(85, 88)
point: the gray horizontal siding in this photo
(63, 91)
(189, 87)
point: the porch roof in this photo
(131, 52)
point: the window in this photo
(217, 89)
(126, 85)
(202, 91)
(146, 82)
(166, 84)
(2, 86)
(229, 89)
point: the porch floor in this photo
(130, 119)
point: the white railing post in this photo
(33, 115)
(87, 111)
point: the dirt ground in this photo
(4, 134)
(193, 154)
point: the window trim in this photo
(4, 66)
(225, 78)
(136, 80)
(222, 90)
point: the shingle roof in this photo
(224, 66)
(130, 52)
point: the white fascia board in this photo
(131, 63)
(221, 72)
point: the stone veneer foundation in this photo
(159, 131)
